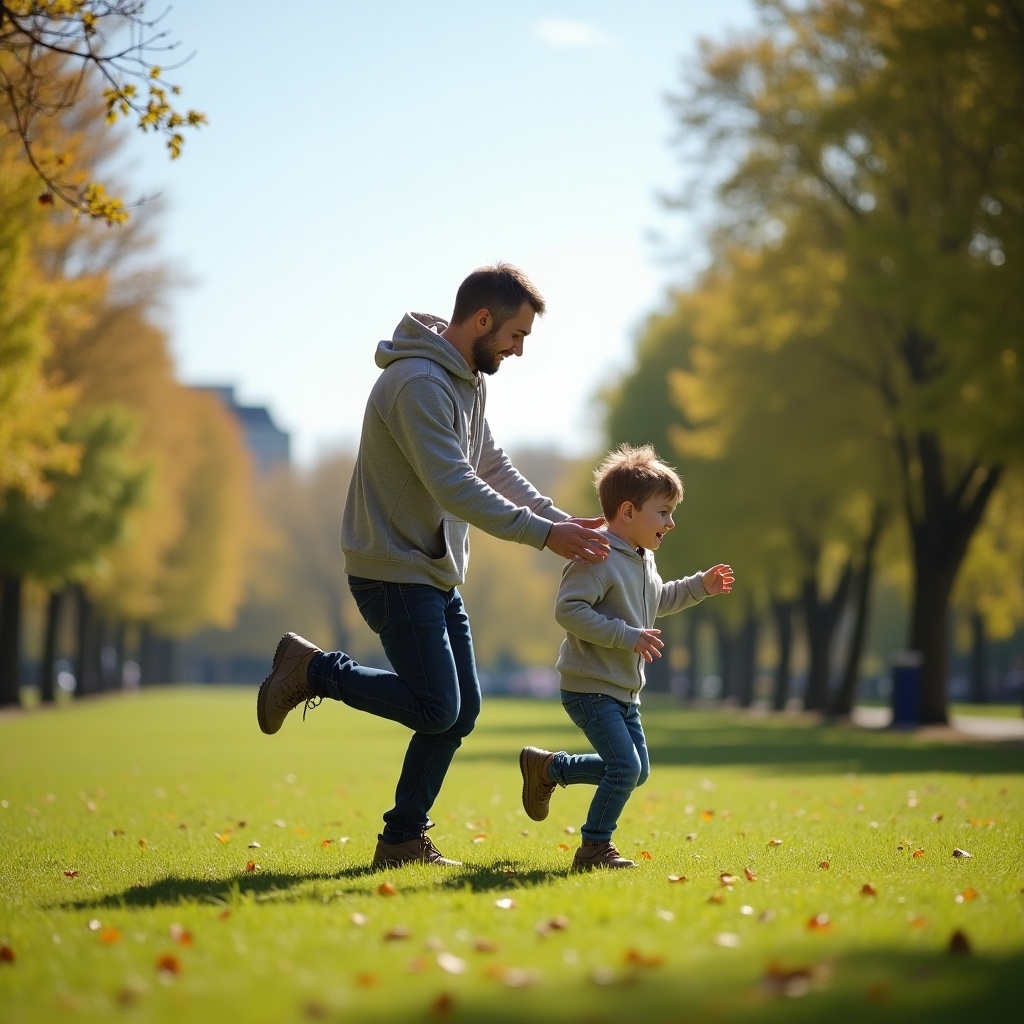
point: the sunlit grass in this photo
(131, 888)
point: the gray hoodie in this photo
(427, 467)
(603, 607)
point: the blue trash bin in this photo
(906, 689)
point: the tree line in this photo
(840, 385)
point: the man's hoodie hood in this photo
(419, 336)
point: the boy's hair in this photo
(634, 474)
(500, 288)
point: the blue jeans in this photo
(434, 689)
(619, 766)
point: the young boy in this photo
(608, 611)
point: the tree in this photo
(892, 131)
(61, 538)
(51, 51)
(32, 409)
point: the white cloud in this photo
(567, 33)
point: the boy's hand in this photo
(649, 645)
(718, 579)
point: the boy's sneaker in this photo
(286, 686)
(537, 789)
(413, 851)
(599, 855)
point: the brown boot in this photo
(599, 855)
(286, 686)
(537, 788)
(413, 851)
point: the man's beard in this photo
(485, 354)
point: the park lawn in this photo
(132, 887)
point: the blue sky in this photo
(362, 158)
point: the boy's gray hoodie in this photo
(427, 466)
(603, 607)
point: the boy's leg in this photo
(616, 767)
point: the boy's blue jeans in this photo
(619, 766)
(434, 689)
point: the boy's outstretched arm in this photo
(718, 579)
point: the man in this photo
(427, 467)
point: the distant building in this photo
(270, 446)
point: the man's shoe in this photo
(414, 851)
(599, 855)
(537, 789)
(286, 686)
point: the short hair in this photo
(500, 288)
(634, 474)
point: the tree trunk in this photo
(47, 666)
(10, 641)
(943, 509)
(979, 660)
(782, 611)
(846, 696)
(822, 617)
(87, 678)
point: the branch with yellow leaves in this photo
(39, 41)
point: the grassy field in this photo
(160, 858)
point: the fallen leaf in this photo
(6, 954)
(792, 982)
(706, 815)
(451, 964)
(480, 837)
(94, 925)
(70, 874)
(824, 865)
(505, 903)
(366, 979)
(645, 855)
(397, 934)
(774, 842)
(916, 921)
(918, 854)
(729, 940)
(443, 1004)
(142, 844)
(570, 829)
(109, 936)
(168, 964)
(751, 874)
(867, 889)
(677, 878)
(726, 879)
(223, 915)
(251, 866)
(180, 934)
(386, 889)
(690, 836)
(485, 946)
(967, 895)
(716, 897)
(221, 838)
(564, 847)
(820, 923)
(938, 816)
(638, 959)
(957, 852)
(324, 843)
(359, 920)
(254, 846)
(958, 943)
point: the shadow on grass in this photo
(778, 744)
(313, 886)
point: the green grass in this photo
(110, 864)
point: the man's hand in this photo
(718, 579)
(576, 539)
(649, 645)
